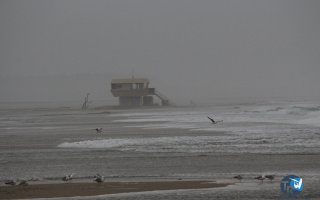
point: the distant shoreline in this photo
(93, 189)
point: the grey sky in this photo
(201, 50)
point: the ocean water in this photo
(43, 143)
(246, 129)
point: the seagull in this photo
(261, 178)
(10, 182)
(99, 130)
(239, 177)
(214, 122)
(67, 177)
(98, 178)
(23, 183)
(270, 177)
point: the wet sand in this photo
(92, 189)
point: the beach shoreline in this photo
(71, 189)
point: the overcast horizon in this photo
(189, 50)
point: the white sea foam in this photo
(225, 143)
(142, 120)
(111, 143)
(165, 126)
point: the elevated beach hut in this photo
(135, 92)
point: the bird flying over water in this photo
(98, 130)
(213, 121)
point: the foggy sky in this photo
(56, 50)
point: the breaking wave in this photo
(203, 144)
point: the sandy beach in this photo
(92, 189)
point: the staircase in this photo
(164, 100)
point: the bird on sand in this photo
(270, 177)
(238, 177)
(67, 177)
(260, 178)
(23, 183)
(10, 182)
(98, 178)
(98, 130)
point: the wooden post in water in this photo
(85, 104)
